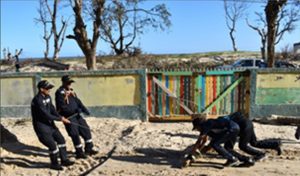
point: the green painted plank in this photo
(180, 73)
(220, 72)
(227, 91)
(218, 94)
(277, 96)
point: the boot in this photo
(80, 154)
(54, 162)
(232, 162)
(89, 149)
(260, 157)
(274, 144)
(64, 158)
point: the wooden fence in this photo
(216, 92)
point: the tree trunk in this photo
(233, 40)
(272, 9)
(91, 61)
(263, 49)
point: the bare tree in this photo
(272, 11)
(124, 20)
(88, 46)
(234, 10)
(48, 15)
(44, 20)
(286, 22)
(58, 35)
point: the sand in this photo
(141, 148)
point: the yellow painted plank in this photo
(278, 80)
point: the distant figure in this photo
(297, 134)
(68, 104)
(17, 61)
(43, 116)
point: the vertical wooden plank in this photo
(154, 99)
(207, 88)
(171, 84)
(228, 103)
(218, 85)
(203, 93)
(247, 95)
(188, 91)
(163, 81)
(149, 93)
(178, 91)
(214, 93)
(182, 93)
(223, 81)
(232, 95)
(156, 94)
(167, 104)
(197, 93)
(160, 98)
(199, 100)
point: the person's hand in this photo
(65, 120)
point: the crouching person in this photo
(248, 141)
(69, 105)
(43, 116)
(220, 131)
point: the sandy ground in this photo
(142, 148)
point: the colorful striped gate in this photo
(198, 90)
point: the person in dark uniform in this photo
(297, 134)
(247, 136)
(69, 105)
(43, 116)
(220, 131)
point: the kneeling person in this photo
(43, 116)
(69, 105)
(220, 131)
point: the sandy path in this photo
(141, 149)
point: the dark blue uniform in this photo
(68, 106)
(43, 116)
(247, 136)
(220, 130)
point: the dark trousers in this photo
(226, 137)
(51, 139)
(247, 136)
(77, 128)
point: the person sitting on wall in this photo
(69, 105)
(43, 116)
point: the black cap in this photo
(45, 85)
(197, 122)
(67, 79)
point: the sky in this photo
(197, 26)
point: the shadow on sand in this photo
(10, 143)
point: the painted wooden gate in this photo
(216, 92)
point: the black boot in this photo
(274, 144)
(89, 149)
(80, 154)
(54, 162)
(232, 162)
(64, 157)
